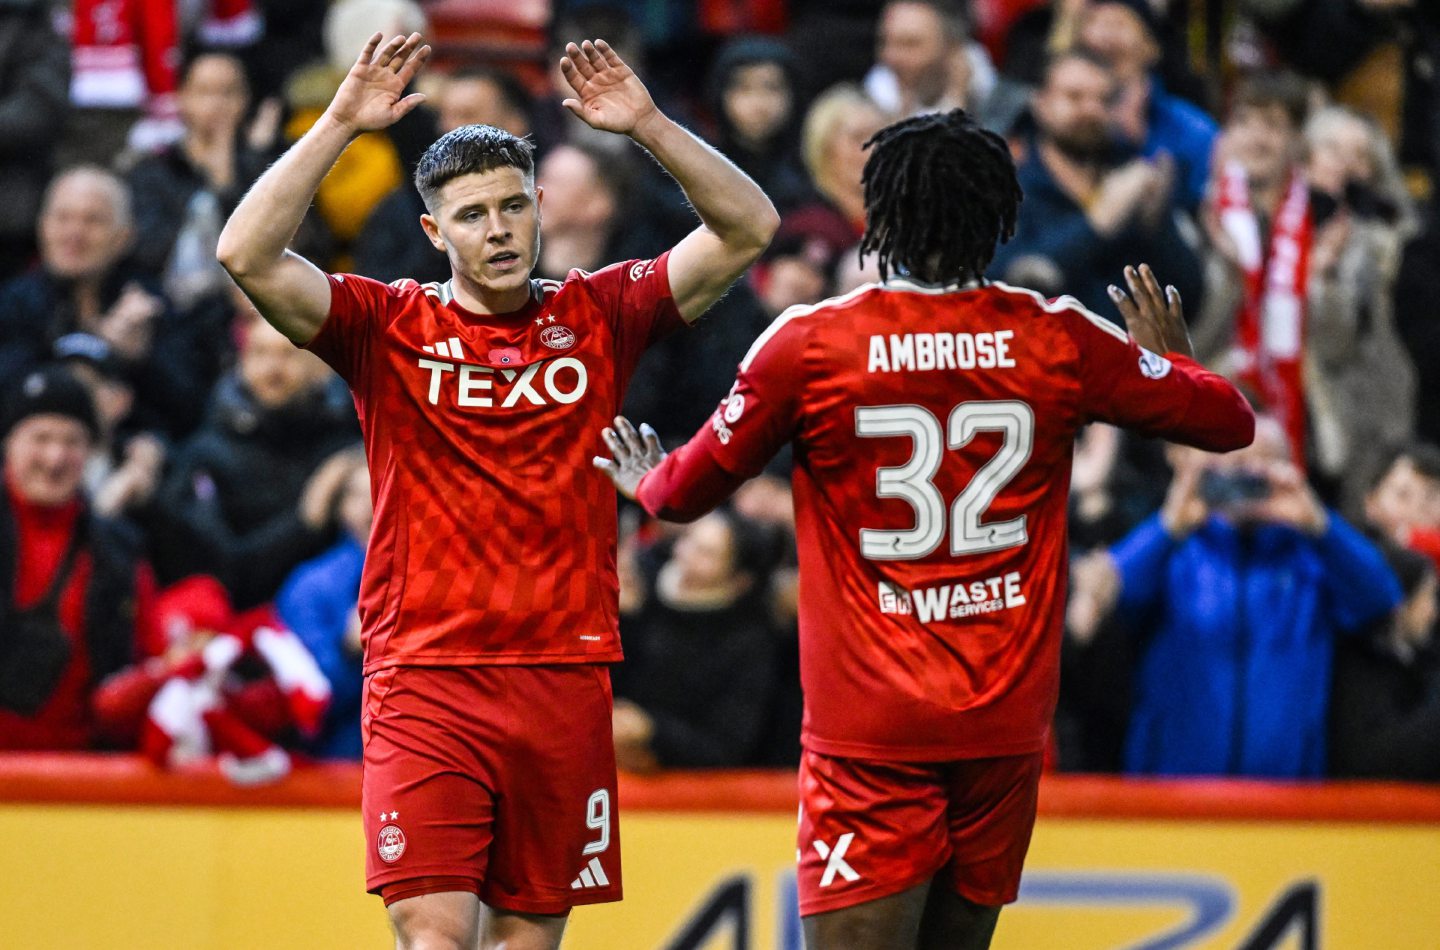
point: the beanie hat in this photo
(51, 390)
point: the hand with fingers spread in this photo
(636, 453)
(372, 97)
(608, 94)
(1154, 317)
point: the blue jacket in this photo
(1188, 133)
(316, 602)
(1234, 678)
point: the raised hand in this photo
(636, 453)
(1153, 317)
(608, 94)
(373, 96)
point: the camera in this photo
(1223, 489)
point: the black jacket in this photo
(704, 676)
(230, 503)
(1384, 714)
(109, 596)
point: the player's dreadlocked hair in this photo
(939, 192)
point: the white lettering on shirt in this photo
(922, 352)
(562, 381)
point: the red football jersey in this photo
(933, 431)
(494, 536)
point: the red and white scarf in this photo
(1270, 326)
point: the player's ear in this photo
(432, 231)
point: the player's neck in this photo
(479, 299)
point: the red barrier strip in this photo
(33, 778)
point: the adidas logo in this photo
(448, 349)
(592, 875)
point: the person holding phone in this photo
(1237, 590)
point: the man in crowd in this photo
(1238, 590)
(1126, 34)
(488, 603)
(1090, 206)
(74, 594)
(85, 282)
(932, 418)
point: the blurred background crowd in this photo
(185, 506)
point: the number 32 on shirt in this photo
(914, 483)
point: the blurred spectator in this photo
(230, 687)
(85, 282)
(1403, 504)
(252, 494)
(664, 211)
(1385, 704)
(74, 595)
(1091, 206)
(1276, 262)
(124, 468)
(752, 92)
(833, 139)
(123, 81)
(1053, 27)
(183, 193)
(925, 62)
(392, 244)
(34, 92)
(1113, 487)
(1126, 34)
(699, 659)
(1238, 590)
(792, 272)
(374, 165)
(319, 602)
(1360, 383)
(581, 226)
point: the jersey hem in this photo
(496, 659)
(920, 753)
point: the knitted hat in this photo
(51, 390)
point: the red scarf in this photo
(125, 54)
(1270, 326)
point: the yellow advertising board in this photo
(147, 877)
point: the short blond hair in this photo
(823, 120)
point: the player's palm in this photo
(608, 94)
(372, 95)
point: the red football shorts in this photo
(872, 829)
(499, 780)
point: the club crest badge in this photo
(558, 337)
(390, 844)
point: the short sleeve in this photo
(636, 296)
(357, 306)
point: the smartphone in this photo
(1222, 489)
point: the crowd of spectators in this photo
(185, 508)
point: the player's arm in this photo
(760, 414)
(737, 219)
(288, 290)
(1128, 382)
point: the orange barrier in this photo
(42, 778)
